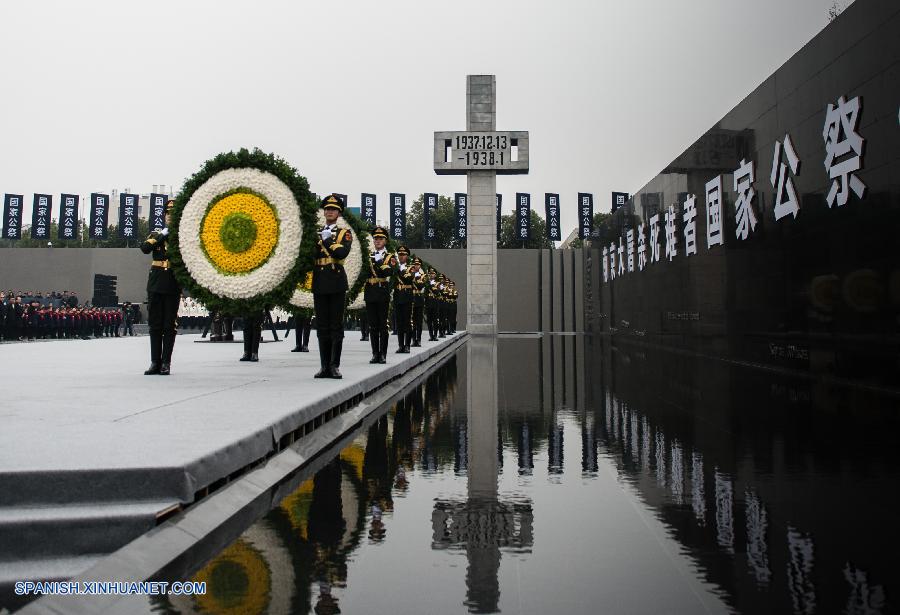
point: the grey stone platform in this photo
(93, 451)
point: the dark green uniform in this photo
(403, 303)
(378, 301)
(329, 287)
(418, 309)
(163, 296)
(432, 305)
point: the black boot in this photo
(254, 347)
(376, 349)
(324, 358)
(385, 336)
(155, 353)
(336, 346)
(401, 342)
(248, 344)
(305, 336)
(168, 345)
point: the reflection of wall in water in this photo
(819, 292)
(733, 459)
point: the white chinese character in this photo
(42, 200)
(14, 202)
(620, 199)
(654, 238)
(782, 182)
(671, 239)
(612, 261)
(621, 257)
(744, 217)
(641, 248)
(714, 212)
(128, 232)
(840, 139)
(630, 241)
(523, 233)
(70, 202)
(605, 264)
(690, 225)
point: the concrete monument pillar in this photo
(481, 152)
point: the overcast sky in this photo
(104, 95)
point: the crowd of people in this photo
(27, 316)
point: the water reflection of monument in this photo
(483, 523)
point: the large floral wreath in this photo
(243, 232)
(354, 264)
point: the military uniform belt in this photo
(403, 286)
(163, 264)
(417, 292)
(321, 262)
(377, 281)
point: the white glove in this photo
(379, 257)
(164, 232)
(326, 233)
(418, 274)
(402, 267)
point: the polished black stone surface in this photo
(581, 476)
(819, 292)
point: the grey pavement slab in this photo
(82, 423)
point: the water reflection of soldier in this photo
(401, 441)
(378, 475)
(327, 603)
(163, 295)
(326, 527)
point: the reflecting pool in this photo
(568, 474)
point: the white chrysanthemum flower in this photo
(209, 260)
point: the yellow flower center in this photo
(228, 257)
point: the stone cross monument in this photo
(481, 152)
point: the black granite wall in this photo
(817, 292)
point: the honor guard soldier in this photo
(163, 297)
(454, 296)
(442, 306)
(378, 295)
(418, 309)
(329, 287)
(253, 323)
(403, 300)
(432, 304)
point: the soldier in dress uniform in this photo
(303, 328)
(252, 335)
(128, 318)
(432, 304)
(442, 310)
(418, 309)
(378, 295)
(329, 287)
(403, 300)
(163, 296)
